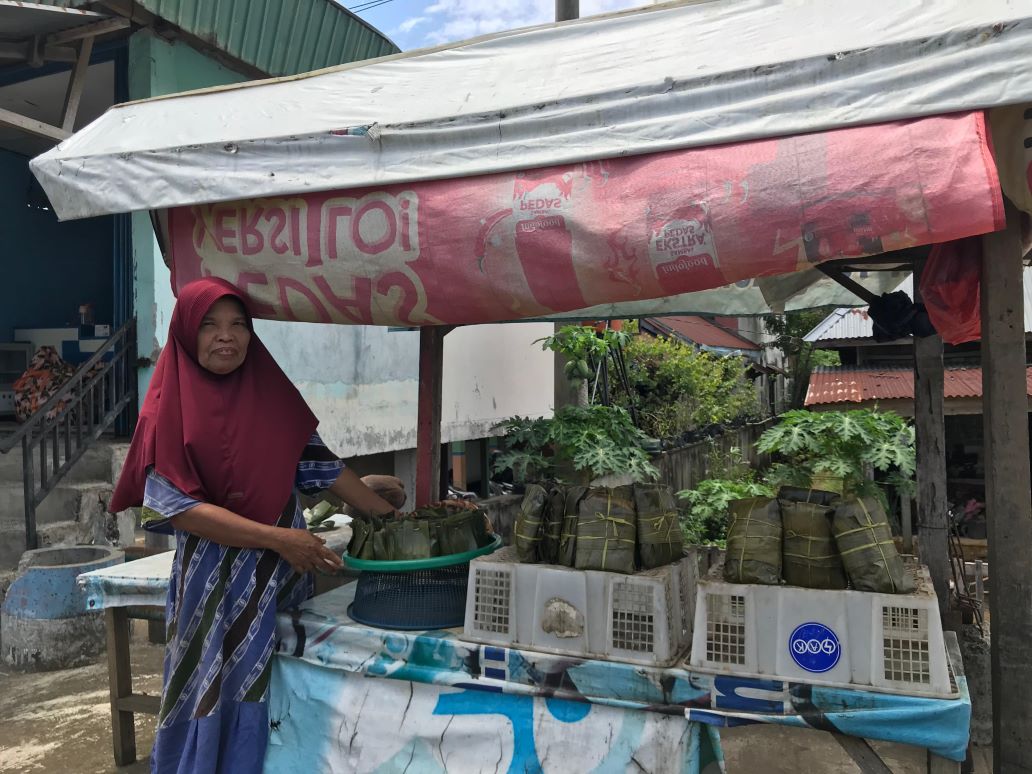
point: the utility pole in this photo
(566, 10)
(565, 394)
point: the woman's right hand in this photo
(306, 552)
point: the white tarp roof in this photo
(666, 77)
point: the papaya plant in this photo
(594, 441)
(842, 444)
(584, 348)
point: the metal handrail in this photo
(75, 426)
(39, 417)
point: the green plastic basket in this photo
(409, 565)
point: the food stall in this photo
(558, 173)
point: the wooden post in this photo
(931, 460)
(120, 684)
(906, 523)
(484, 458)
(76, 85)
(428, 422)
(1008, 504)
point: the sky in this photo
(419, 23)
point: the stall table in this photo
(447, 704)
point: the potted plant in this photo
(836, 450)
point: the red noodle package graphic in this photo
(516, 245)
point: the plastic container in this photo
(413, 594)
(643, 618)
(852, 639)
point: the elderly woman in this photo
(223, 445)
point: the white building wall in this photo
(362, 381)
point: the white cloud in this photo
(408, 25)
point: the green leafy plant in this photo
(678, 390)
(594, 441)
(707, 507)
(801, 356)
(843, 444)
(584, 348)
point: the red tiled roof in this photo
(856, 385)
(703, 332)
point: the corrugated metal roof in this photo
(703, 332)
(857, 385)
(845, 324)
(274, 36)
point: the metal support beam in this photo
(428, 420)
(1008, 504)
(76, 85)
(930, 426)
(32, 126)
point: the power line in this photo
(368, 5)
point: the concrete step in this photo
(95, 526)
(65, 503)
(100, 462)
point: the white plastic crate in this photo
(887, 642)
(643, 618)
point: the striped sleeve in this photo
(318, 467)
(161, 501)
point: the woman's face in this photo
(223, 338)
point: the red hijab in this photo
(232, 440)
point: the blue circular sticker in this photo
(814, 647)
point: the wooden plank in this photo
(1008, 505)
(87, 31)
(32, 126)
(428, 420)
(140, 702)
(930, 426)
(939, 765)
(76, 85)
(868, 761)
(120, 684)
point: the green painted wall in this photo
(158, 67)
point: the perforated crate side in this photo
(906, 657)
(688, 576)
(725, 628)
(490, 609)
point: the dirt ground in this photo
(61, 722)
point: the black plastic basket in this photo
(414, 600)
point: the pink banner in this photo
(511, 246)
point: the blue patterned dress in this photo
(221, 624)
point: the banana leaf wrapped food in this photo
(526, 534)
(552, 524)
(660, 541)
(455, 533)
(864, 541)
(568, 534)
(408, 539)
(754, 542)
(606, 530)
(361, 545)
(810, 557)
